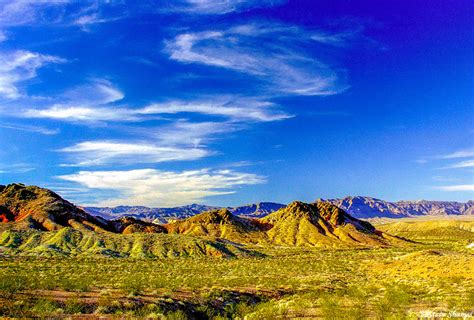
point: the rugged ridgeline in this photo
(359, 207)
(257, 210)
(156, 215)
(42, 209)
(319, 224)
(37, 221)
(221, 224)
(367, 207)
(163, 215)
(322, 224)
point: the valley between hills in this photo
(301, 260)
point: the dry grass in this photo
(288, 282)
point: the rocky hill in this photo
(42, 209)
(367, 207)
(221, 224)
(321, 224)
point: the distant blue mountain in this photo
(161, 215)
(359, 207)
(368, 207)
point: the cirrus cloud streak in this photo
(457, 188)
(20, 65)
(274, 54)
(231, 107)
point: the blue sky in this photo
(229, 102)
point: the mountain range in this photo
(163, 215)
(38, 221)
(368, 207)
(359, 207)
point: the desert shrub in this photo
(73, 284)
(133, 284)
(13, 283)
(75, 306)
(177, 315)
(393, 304)
(242, 309)
(206, 311)
(268, 310)
(45, 306)
(330, 308)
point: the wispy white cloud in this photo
(59, 13)
(461, 187)
(3, 36)
(16, 168)
(91, 16)
(335, 39)
(14, 13)
(155, 188)
(462, 164)
(86, 102)
(456, 155)
(231, 107)
(180, 141)
(192, 133)
(20, 65)
(271, 53)
(459, 154)
(96, 92)
(211, 7)
(235, 108)
(92, 153)
(86, 21)
(29, 128)
(81, 113)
